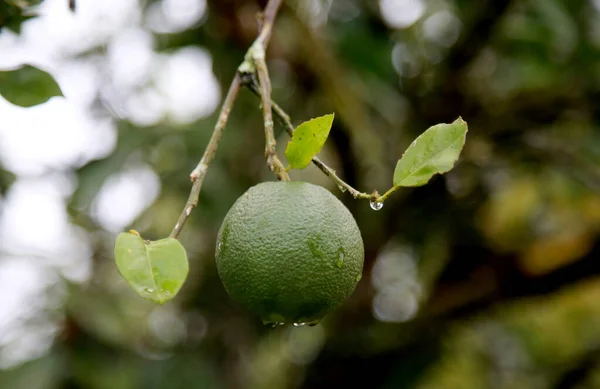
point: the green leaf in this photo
(307, 141)
(28, 86)
(155, 270)
(433, 152)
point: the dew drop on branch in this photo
(376, 205)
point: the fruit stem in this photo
(257, 53)
(257, 56)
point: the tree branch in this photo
(268, 19)
(254, 64)
(254, 56)
(197, 175)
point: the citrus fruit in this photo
(289, 252)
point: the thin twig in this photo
(273, 161)
(286, 121)
(329, 172)
(387, 194)
(257, 56)
(197, 175)
(268, 19)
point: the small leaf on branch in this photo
(28, 86)
(434, 152)
(155, 270)
(308, 139)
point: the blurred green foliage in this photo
(28, 86)
(14, 12)
(487, 277)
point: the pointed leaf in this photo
(434, 152)
(307, 141)
(155, 270)
(28, 86)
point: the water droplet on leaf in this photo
(376, 205)
(299, 324)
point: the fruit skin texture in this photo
(289, 252)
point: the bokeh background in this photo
(487, 277)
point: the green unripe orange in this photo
(289, 252)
